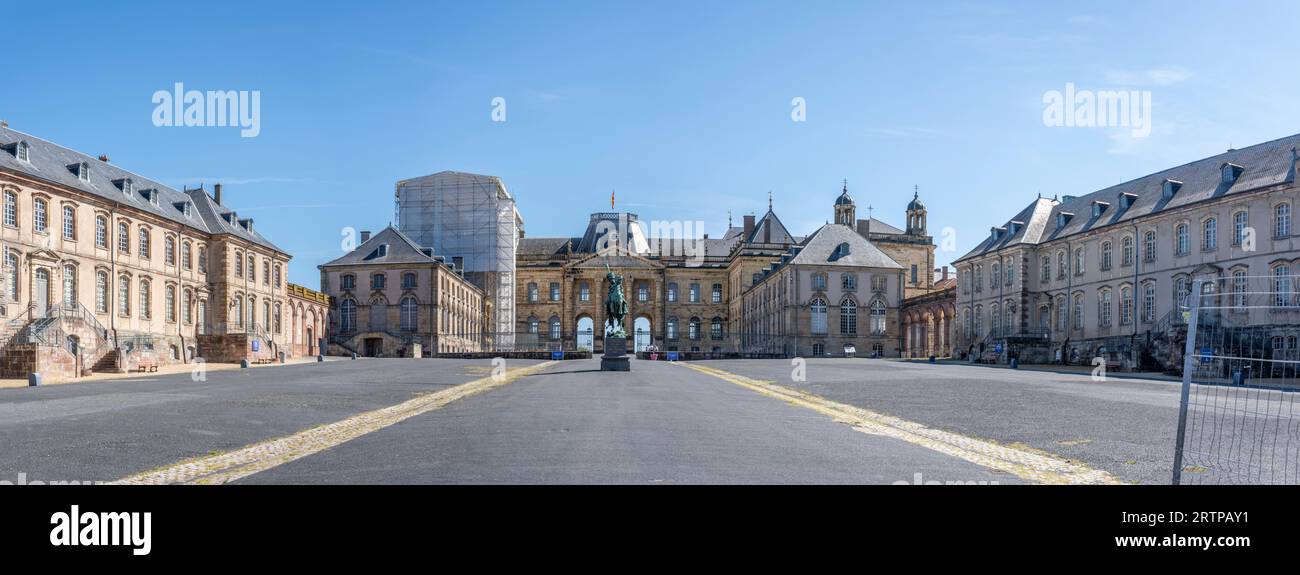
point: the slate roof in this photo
(50, 162)
(1262, 165)
(875, 226)
(780, 235)
(543, 246)
(401, 250)
(820, 249)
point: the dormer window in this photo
(82, 171)
(383, 250)
(1126, 200)
(1063, 218)
(1014, 228)
(1169, 188)
(22, 152)
(125, 184)
(1230, 172)
(1099, 208)
(184, 208)
(996, 233)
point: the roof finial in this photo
(769, 200)
(916, 192)
(846, 185)
(728, 219)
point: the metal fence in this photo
(1239, 409)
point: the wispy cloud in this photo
(1150, 77)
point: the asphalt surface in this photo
(106, 430)
(1124, 426)
(657, 424)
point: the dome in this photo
(844, 199)
(915, 204)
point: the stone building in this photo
(104, 269)
(690, 294)
(308, 318)
(1106, 274)
(394, 298)
(930, 319)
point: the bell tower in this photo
(845, 210)
(916, 214)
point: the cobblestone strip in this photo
(227, 467)
(1039, 467)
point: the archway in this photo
(586, 336)
(641, 327)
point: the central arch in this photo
(641, 327)
(586, 333)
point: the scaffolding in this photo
(472, 219)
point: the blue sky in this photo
(683, 107)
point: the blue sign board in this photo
(998, 348)
(672, 356)
(257, 345)
(557, 355)
(1205, 354)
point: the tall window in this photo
(1078, 261)
(1239, 222)
(1126, 251)
(1103, 308)
(1181, 242)
(1282, 221)
(187, 311)
(715, 328)
(408, 280)
(1182, 289)
(1126, 306)
(555, 328)
(995, 318)
(1149, 302)
(186, 262)
(1105, 255)
(252, 269)
(1009, 272)
(877, 311)
(818, 314)
(169, 250)
(995, 277)
(848, 316)
(1060, 265)
(123, 238)
(266, 272)
(347, 282)
(1078, 310)
(101, 232)
(124, 296)
(11, 209)
(1210, 234)
(532, 292)
(642, 292)
(169, 300)
(1045, 274)
(146, 306)
(101, 292)
(377, 281)
(694, 293)
(69, 223)
(69, 285)
(1149, 247)
(671, 330)
(348, 316)
(278, 283)
(144, 243)
(40, 217)
(276, 320)
(11, 274)
(717, 292)
(410, 314)
(1282, 286)
(819, 282)
(672, 292)
(1239, 289)
(203, 260)
(693, 328)
(555, 291)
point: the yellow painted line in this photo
(1035, 466)
(227, 467)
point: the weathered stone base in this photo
(615, 363)
(234, 348)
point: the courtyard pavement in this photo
(567, 422)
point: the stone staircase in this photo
(106, 362)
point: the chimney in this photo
(749, 226)
(365, 236)
(458, 262)
(945, 273)
(4, 123)
(103, 159)
(216, 194)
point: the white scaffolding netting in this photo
(472, 217)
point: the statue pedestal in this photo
(615, 357)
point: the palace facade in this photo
(756, 291)
(104, 269)
(1109, 273)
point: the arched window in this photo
(1180, 239)
(69, 223)
(238, 312)
(817, 309)
(532, 325)
(252, 268)
(40, 218)
(278, 283)
(169, 250)
(276, 319)
(169, 299)
(715, 328)
(144, 243)
(266, 272)
(878, 325)
(186, 262)
(203, 260)
(123, 238)
(1149, 302)
(348, 316)
(693, 328)
(145, 300)
(11, 209)
(1149, 247)
(101, 232)
(671, 332)
(101, 292)
(410, 314)
(555, 328)
(848, 316)
(124, 296)
(69, 285)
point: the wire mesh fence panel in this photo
(1239, 409)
